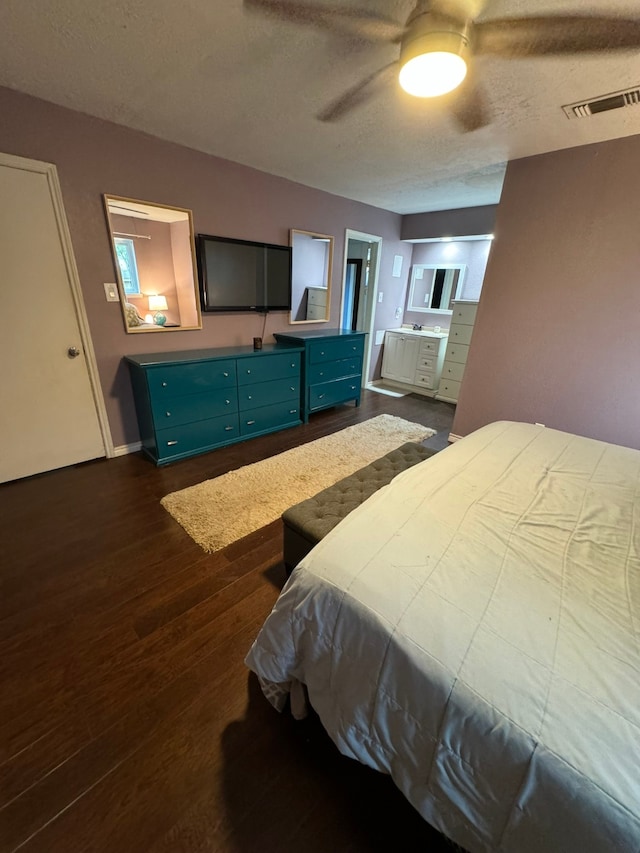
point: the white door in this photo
(48, 406)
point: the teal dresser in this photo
(194, 401)
(332, 366)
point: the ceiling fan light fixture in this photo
(434, 64)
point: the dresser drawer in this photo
(425, 380)
(449, 389)
(453, 370)
(177, 380)
(260, 368)
(457, 352)
(331, 393)
(430, 346)
(316, 312)
(195, 407)
(464, 313)
(317, 296)
(460, 334)
(269, 417)
(325, 372)
(201, 435)
(265, 393)
(322, 351)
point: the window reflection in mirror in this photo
(154, 258)
(311, 263)
(435, 286)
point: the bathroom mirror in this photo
(154, 258)
(311, 263)
(435, 286)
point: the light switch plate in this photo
(111, 291)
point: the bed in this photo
(473, 629)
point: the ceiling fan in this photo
(439, 40)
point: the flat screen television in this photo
(240, 275)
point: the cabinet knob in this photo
(248, 371)
(227, 402)
(168, 414)
(225, 373)
(320, 396)
(322, 353)
(164, 384)
(293, 364)
(293, 387)
(249, 397)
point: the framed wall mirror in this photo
(155, 263)
(435, 286)
(311, 264)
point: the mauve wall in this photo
(557, 336)
(95, 157)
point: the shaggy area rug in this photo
(220, 511)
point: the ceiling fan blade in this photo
(360, 23)
(551, 34)
(360, 93)
(469, 106)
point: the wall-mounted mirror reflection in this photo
(154, 256)
(435, 286)
(311, 263)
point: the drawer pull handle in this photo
(250, 423)
(228, 429)
(224, 373)
(292, 411)
(164, 384)
(171, 443)
(320, 396)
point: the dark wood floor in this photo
(128, 721)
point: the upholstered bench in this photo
(307, 522)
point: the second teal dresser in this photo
(332, 366)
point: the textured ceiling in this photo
(205, 74)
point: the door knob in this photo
(73, 352)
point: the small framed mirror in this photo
(435, 286)
(155, 263)
(311, 265)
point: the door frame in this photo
(374, 274)
(50, 172)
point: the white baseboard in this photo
(453, 437)
(123, 449)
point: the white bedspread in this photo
(473, 629)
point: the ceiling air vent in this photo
(584, 109)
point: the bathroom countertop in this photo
(423, 333)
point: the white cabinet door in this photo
(400, 357)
